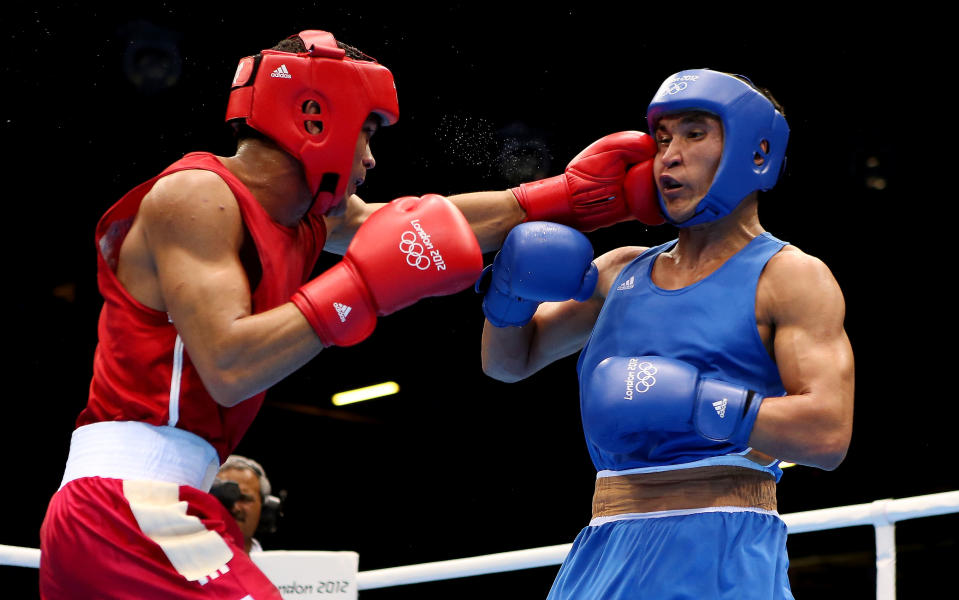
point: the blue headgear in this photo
(748, 119)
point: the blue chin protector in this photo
(748, 119)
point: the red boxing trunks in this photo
(139, 532)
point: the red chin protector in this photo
(271, 91)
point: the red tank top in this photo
(141, 371)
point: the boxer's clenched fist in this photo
(538, 262)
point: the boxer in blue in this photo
(705, 361)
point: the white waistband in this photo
(596, 522)
(134, 450)
(728, 460)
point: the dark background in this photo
(96, 101)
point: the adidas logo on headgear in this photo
(720, 406)
(281, 72)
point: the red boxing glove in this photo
(409, 249)
(642, 197)
(590, 194)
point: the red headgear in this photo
(271, 91)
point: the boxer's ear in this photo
(758, 158)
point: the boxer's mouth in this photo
(668, 184)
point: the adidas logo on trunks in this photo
(626, 285)
(281, 72)
(342, 311)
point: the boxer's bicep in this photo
(194, 231)
(812, 424)
(811, 348)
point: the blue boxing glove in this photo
(539, 262)
(628, 395)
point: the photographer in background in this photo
(242, 487)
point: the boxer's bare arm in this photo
(812, 425)
(557, 330)
(490, 214)
(341, 228)
(191, 231)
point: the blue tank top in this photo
(710, 324)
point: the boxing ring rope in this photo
(881, 514)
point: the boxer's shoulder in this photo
(796, 283)
(190, 187)
(190, 202)
(791, 266)
(611, 263)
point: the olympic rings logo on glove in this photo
(647, 370)
(413, 251)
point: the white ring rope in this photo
(881, 514)
(16, 556)
(464, 567)
(878, 513)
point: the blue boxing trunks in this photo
(734, 554)
(700, 533)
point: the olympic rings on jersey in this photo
(413, 251)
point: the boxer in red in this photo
(204, 273)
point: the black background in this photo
(457, 464)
